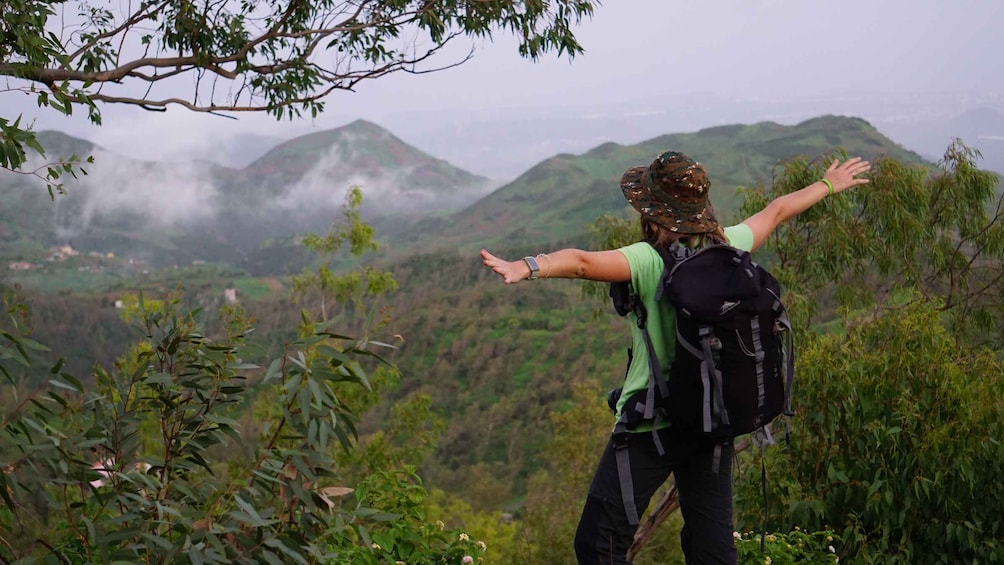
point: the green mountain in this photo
(556, 199)
(164, 213)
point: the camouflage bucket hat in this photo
(673, 191)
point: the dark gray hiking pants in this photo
(604, 534)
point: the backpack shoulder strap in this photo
(672, 257)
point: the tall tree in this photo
(279, 57)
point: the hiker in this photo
(672, 196)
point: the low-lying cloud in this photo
(161, 194)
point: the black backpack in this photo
(733, 367)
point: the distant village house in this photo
(61, 253)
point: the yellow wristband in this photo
(829, 185)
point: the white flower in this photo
(464, 537)
(832, 550)
(376, 547)
(467, 559)
(737, 535)
(766, 560)
(482, 545)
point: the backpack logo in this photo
(726, 306)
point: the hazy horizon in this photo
(650, 68)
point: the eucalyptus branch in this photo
(52, 550)
(73, 523)
(126, 25)
(279, 427)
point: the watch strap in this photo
(534, 267)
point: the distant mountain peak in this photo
(363, 126)
(59, 144)
(307, 149)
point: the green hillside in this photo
(556, 199)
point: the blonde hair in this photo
(659, 235)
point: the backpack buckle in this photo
(620, 440)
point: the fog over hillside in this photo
(166, 212)
(179, 192)
(176, 194)
(397, 189)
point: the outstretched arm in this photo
(841, 175)
(603, 266)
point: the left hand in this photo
(511, 271)
(842, 175)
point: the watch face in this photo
(534, 268)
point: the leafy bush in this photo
(796, 546)
(142, 467)
(897, 442)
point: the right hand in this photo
(511, 271)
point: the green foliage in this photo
(941, 234)
(797, 546)
(408, 537)
(496, 362)
(349, 287)
(153, 463)
(87, 479)
(504, 537)
(128, 471)
(898, 421)
(407, 435)
(555, 492)
(16, 344)
(897, 443)
(25, 43)
(14, 140)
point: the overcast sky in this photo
(637, 53)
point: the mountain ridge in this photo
(557, 198)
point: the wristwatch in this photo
(534, 267)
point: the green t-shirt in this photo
(646, 270)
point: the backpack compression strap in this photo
(787, 351)
(620, 438)
(714, 412)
